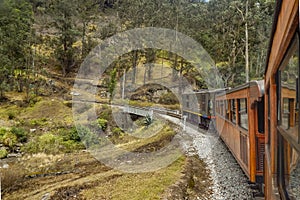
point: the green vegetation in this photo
(140, 103)
(102, 123)
(9, 137)
(138, 186)
(65, 31)
(20, 133)
(168, 98)
(51, 144)
(165, 134)
(148, 120)
(3, 153)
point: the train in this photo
(259, 120)
(198, 107)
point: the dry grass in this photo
(137, 186)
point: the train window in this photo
(288, 91)
(187, 104)
(242, 113)
(227, 109)
(292, 177)
(232, 110)
(285, 120)
(261, 115)
(219, 107)
(288, 138)
(210, 107)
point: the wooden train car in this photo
(282, 141)
(240, 123)
(198, 107)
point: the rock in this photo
(32, 130)
(45, 196)
(75, 94)
(5, 166)
(14, 155)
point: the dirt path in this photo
(81, 176)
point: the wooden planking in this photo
(286, 27)
(231, 137)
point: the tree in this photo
(112, 82)
(63, 14)
(86, 10)
(16, 19)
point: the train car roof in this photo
(204, 91)
(259, 84)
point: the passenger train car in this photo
(198, 107)
(240, 123)
(282, 133)
(259, 121)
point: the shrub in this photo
(148, 120)
(88, 138)
(168, 98)
(20, 133)
(38, 122)
(102, 123)
(70, 134)
(68, 103)
(11, 115)
(117, 131)
(2, 132)
(9, 139)
(3, 153)
(47, 143)
(10, 176)
(105, 113)
(70, 146)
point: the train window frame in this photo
(291, 50)
(227, 113)
(233, 110)
(269, 116)
(285, 111)
(240, 113)
(284, 137)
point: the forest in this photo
(43, 46)
(40, 37)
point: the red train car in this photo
(282, 141)
(239, 121)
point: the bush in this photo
(10, 177)
(168, 98)
(11, 115)
(70, 146)
(70, 134)
(105, 113)
(117, 131)
(88, 138)
(47, 143)
(3, 153)
(9, 139)
(148, 120)
(2, 132)
(20, 133)
(38, 122)
(102, 123)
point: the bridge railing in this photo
(144, 111)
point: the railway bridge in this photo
(138, 111)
